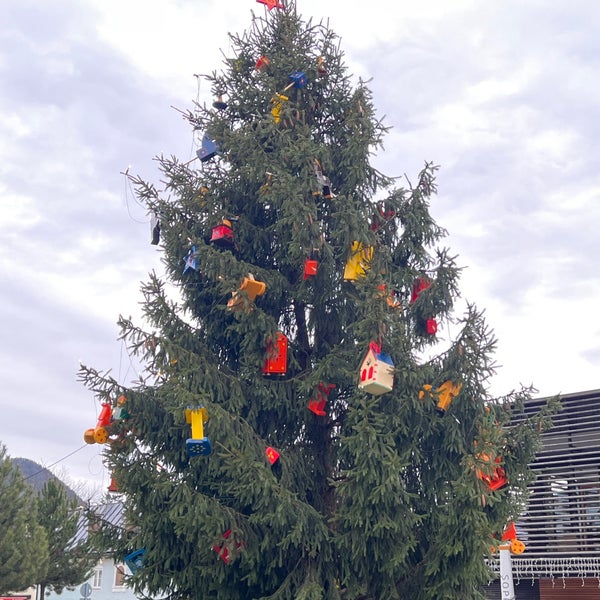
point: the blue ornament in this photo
(191, 259)
(135, 560)
(298, 78)
(208, 150)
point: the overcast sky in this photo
(502, 94)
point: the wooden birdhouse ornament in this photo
(198, 444)
(272, 455)
(446, 393)
(275, 364)
(191, 259)
(99, 434)
(419, 285)
(220, 104)
(208, 149)
(262, 64)
(376, 371)
(135, 559)
(358, 261)
(278, 101)
(497, 480)
(252, 288)
(298, 80)
(311, 265)
(317, 404)
(222, 235)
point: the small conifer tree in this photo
(313, 477)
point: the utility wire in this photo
(54, 463)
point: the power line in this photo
(54, 463)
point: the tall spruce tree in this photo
(23, 542)
(71, 556)
(309, 483)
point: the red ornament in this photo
(498, 479)
(431, 326)
(262, 64)
(510, 533)
(317, 405)
(272, 455)
(223, 551)
(113, 488)
(420, 285)
(310, 268)
(271, 4)
(276, 362)
(222, 235)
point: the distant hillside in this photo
(37, 476)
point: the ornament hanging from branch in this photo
(359, 261)
(376, 371)
(223, 550)
(262, 64)
(222, 235)
(208, 150)
(135, 560)
(198, 444)
(272, 455)
(252, 289)
(191, 259)
(271, 4)
(443, 395)
(317, 404)
(323, 180)
(99, 434)
(278, 100)
(275, 364)
(154, 229)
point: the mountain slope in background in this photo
(37, 476)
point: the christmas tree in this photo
(305, 428)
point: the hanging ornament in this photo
(135, 560)
(272, 455)
(155, 229)
(120, 413)
(275, 364)
(391, 298)
(358, 262)
(382, 216)
(113, 488)
(298, 80)
(321, 70)
(278, 101)
(431, 326)
(208, 150)
(311, 264)
(317, 405)
(99, 434)
(262, 64)
(497, 480)
(191, 259)
(222, 235)
(223, 550)
(444, 394)
(427, 325)
(323, 180)
(198, 444)
(376, 371)
(271, 4)
(252, 288)
(419, 285)
(219, 103)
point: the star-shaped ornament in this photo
(271, 4)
